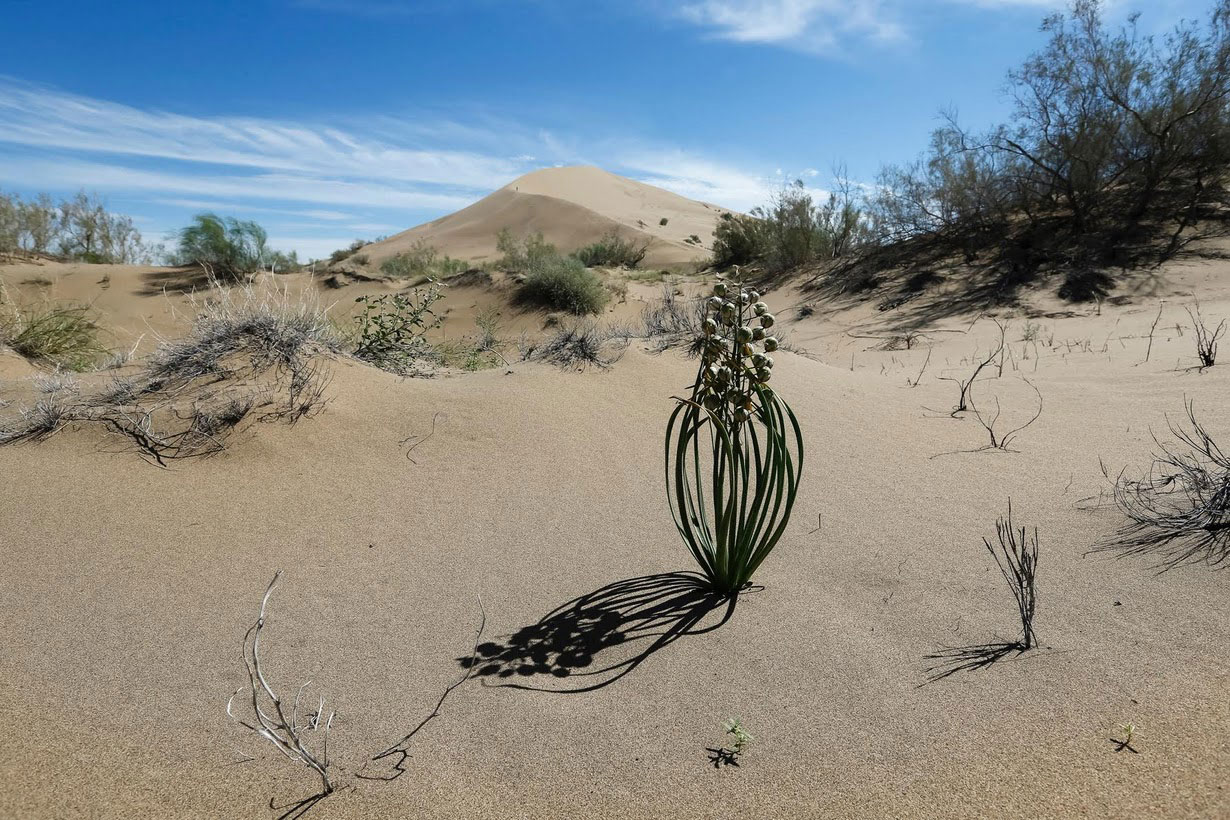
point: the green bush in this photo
(793, 229)
(227, 246)
(416, 261)
(347, 252)
(522, 254)
(422, 261)
(392, 329)
(737, 240)
(564, 283)
(612, 251)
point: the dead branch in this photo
(287, 735)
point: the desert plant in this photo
(613, 251)
(1000, 441)
(662, 222)
(392, 329)
(1016, 554)
(255, 356)
(65, 336)
(563, 283)
(967, 384)
(226, 246)
(578, 345)
(671, 321)
(421, 259)
(738, 240)
(80, 229)
(739, 735)
(347, 252)
(1129, 733)
(735, 428)
(269, 717)
(484, 350)
(1206, 340)
(1114, 152)
(1180, 507)
(524, 253)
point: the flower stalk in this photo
(734, 450)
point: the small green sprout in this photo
(742, 739)
(1129, 731)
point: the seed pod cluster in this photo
(734, 359)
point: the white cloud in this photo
(815, 25)
(44, 118)
(226, 207)
(73, 174)
(314, 178)
(823, 26)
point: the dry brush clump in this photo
(248, 357)
(1179, 509)
(675, 321)
(1001, 439)
(301, 734)
(578, 345)
(1206, 339)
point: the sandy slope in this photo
(127, 589)
(138, 306)
(572, 207)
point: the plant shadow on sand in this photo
(613, 630)
(951, 660)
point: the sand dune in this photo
(572, 207)
(128, 587)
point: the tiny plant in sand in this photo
(1206, 339)
(392, 329)
(1017, 557)
(740, 739)
(1129, 733)
(734, 450)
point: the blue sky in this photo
(327, 120)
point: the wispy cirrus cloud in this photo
(47, 118)
(74, 141)
(821, 26)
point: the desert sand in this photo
(407, 509)
(572, 207)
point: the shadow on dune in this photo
(595, 639)
(186, 279)
(950, 661)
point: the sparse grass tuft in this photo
(672, 321)
(578, 346)
(64, 336)
(1180, 508)
(247, 357)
